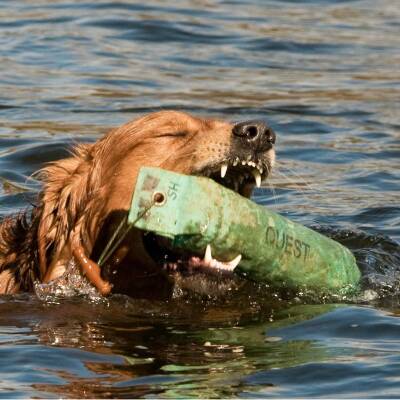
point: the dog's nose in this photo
(255, 134)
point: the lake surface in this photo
(325, 74)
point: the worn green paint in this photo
(275, 250)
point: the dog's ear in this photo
(68, 187)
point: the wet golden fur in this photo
(84, 197)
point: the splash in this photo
(378, 257)
(70, 284)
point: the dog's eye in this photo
(174, 134)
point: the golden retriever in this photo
(86, 196)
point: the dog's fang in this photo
(231, 265)
(207, 255)
(220, 265)
(224, 168)
(257, 177)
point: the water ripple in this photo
(324, 74)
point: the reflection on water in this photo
(325, 75)
(121, 348)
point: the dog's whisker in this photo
(299, 178)
(296, 185)
(271, 186)
(300, 190)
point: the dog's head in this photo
(86, 196)
(237, 156)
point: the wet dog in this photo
(86, 196)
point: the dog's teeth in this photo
(207, 255)
(234, 263)
(257, 177)
(235, 162)
(243, 162)
(224, 168)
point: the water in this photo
(325, 75)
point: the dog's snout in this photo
(256, 134)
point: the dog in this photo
(86, 196)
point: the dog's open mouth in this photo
(176, 260)
(239, 175)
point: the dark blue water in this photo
(325, 74)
